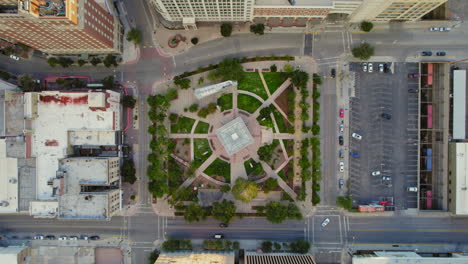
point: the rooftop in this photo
(74, 200)
(297, 3)
(213, 89)
(461, 181)
(59, 116)
(195, 258)
(406, 257)
(8, 181)
(11, 112)
(234, 136)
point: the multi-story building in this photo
(248, 10)
(61, 26)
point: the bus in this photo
(429, 116)
(430, 70)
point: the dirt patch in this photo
(288, 172)
(129, 190)
(278, 157)
(282, 100)
(182, 149)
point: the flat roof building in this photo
(8, 181)
(195, 258)
(213, 89)
(56, 123)
(234, 136)
(458, 178)
(459, 104)
(408, 257)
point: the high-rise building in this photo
(248, 10)
(61, 26)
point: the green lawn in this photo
(268, 123)
(183, 125)
(220, 168)
(225, 102)
(274, 80)
(202, 151)
(253, 168)
(248, 103)
(202, 128)
(289, 146)
(253, 83)
(280, 122)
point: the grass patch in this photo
(289, 146)
(253, 83)
(202, 151)
(183, 125)
(248, 103)
(274, 80)
(219, 168)
(202, 128)
(253, 168)
(280, 121)
(268, 123)
(225, 102)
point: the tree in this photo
(108, 82)
(154, 255)
(171, 245)
(277, 246)
(270, 185)
(366, 26)
(300, 246)
(315, 129)
(235, 245)
(315, 198)
(273, 68)
(363, 51)
(224, 211)
(299, 78)
(294, 212)
(194, 213)
(276, 212)
(110, 60)
(288, 68)
(52, 61)
(183, 83)
(5, 75)
(27, 83)
(65, 62)
(23, 46)
(128, 171)
(171, 94)
(229, 69)
(95, 61)
(8, 51)
(194, 41)
(200, 80)
(81, 62)
(226, 30)
(193, 108)
(317, 80)
(134, 35)
(225, 188)
(244, 190)
(128, 101)
(344, 202)
(158, 188)
(267, 246)
(257, 29)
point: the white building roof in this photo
(10, 254)
(8, 181)
(59, 113)
(461, 188)
(405, 257)
(459, 104)
(43, 208)
(213, 89)
(92, 137)
(234, 136)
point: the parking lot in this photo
(387, 145)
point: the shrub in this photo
(183, 83)
(200, 80)
(257, 29)
(81, 62)
(134, 35)
(366, 26)
(300, 246)
(193, 108)
(128, 101)
(270, 184)
(110, 60)
(225, 188)
(65, 62)
(194, 41)
(95, 61)
(52, 61)
(273, 68)
(128, 171)
(267, 246)
(344, 202)
(226, 30)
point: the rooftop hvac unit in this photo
(12, 180)
(4, 204)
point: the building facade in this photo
(61, 26)
(248, 10)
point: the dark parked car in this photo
(413, 90)
(426, 53)
(333, 73)
(50, 237)
(223, 225)
(94, 238)
(341, 140)
(386, 116)
(441, 53)
(386, 67)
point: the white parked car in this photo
(364, 66)
(370, 65)
(356, 136)
(341, 166)
(325, 222)
(14, 57)
(433, 29)
(412, 189)
(445, 29)
(38, 237)
(341, 127)
(62, 238)
(73, 238)
(381, 69)
(375, 173)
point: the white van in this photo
(412, 189)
